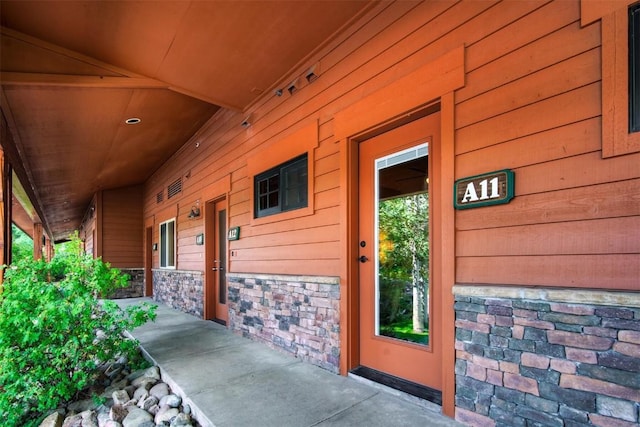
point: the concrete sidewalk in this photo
(229, 380)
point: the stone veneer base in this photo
(296, 314)
(180, 289)
(547, 357)
(135, 285)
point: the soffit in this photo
(73, 71)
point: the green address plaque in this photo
(234, 233)
(493, 188)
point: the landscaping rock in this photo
(166, 414)
(103, 418)
(73, 421)
(89, 419)
(141, 393)
(53, 420)
(171, 400)
(120, 397)
(154, 409)
(138, 376)
(159, 390)
(118, 413)
(145, 382)
(181, 420)
(136, 418)
(148, 403)
(114, 386)
(130, 389)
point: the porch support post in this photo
(48, 250)
(37, 240)
(5, 211)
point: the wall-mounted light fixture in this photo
(277, 92)
(292, 87)
(312, 73)
(194, 213)
(246, 122)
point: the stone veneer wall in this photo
(182, 290)
(135, 287)
(532, 357)
(299, 315)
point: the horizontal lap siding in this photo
(532, 104)
(122, 229)
(351, 68)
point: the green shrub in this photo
(55, 332)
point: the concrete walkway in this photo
(232, 381)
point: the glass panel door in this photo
(402, 227)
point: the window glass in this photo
(282, 188)
(167, 244)
(294, 177)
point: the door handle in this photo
(363, 259)
(217, 269)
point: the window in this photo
(289, 162)
(634, 68)
(620, 81)
(281, 189)
(168, 244)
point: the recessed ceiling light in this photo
(133, 121)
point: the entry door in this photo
(398, 323)
(216, 253)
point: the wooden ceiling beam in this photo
(38, 79)
(204, 98)
(8, 32)
(129, 79)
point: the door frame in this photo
(435, 80)
(210, 237)
(424, 123)
(444, 232)
(148, 261)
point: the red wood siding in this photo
(531, 102)
(122, 227)
(88, 228)
(535, 108)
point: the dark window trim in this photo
(167, 256)
(634, 68)
(279, 172)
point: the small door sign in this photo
(234, 233)
(493, 188)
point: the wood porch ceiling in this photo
(73, 71)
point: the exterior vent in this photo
(160, 197)
(174, 188)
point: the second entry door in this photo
(216, 265)
(398, 319)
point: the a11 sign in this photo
(493, 188)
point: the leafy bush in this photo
(55, 332)
(21, 244)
